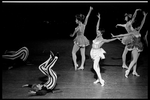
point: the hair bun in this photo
(80, 17)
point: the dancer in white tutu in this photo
(80, 42)
(97, 52)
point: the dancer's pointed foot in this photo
(76, 66)
(136, 74)
(102, 82)
(126, 73)
(95, 82)
(124, 66)
(81, 68)
(99, 81)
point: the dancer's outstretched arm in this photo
(132, 20)
(122, 25)
(142, 23)
(122, 35)
(109, 40)
(87, 16)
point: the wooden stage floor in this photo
(77, 84)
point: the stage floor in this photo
(77, 84)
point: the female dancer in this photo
(80, 42)
(129, 28)
(97, 52)
(46, 69)
(133, 44)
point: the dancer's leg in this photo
(135, 67)
(83, 58)
(74, 57)
(133, 62)
(124, 58)
(96, 67)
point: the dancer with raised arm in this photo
(134, 45)
(129, 28)
(97, 52)
(80, 42)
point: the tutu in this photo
(97, 53)
(127, 40)
(81, 40)
(136, 44)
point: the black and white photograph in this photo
(74, 50)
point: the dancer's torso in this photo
(80, 30)
(129, 27)
(97, 43)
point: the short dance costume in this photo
(97, 52)
(80, 39)
(133, 42)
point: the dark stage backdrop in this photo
(23, 22)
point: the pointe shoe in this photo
(126, 73)
(102, 82)
(124, 66)
(99, 81)
(95, 82)
(80, 68)
(76, 66)
(136, 74)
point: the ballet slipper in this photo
(136, 74)
(102, 82)
(76, 66)
(80, 68)
(95, 82)
(126, 73)
(99, 81)
(124, 66)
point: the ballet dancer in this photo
(97, 52)
(129, 28)
(134, 45)
(46, 69)
(80, 42)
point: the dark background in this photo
(23, 22)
